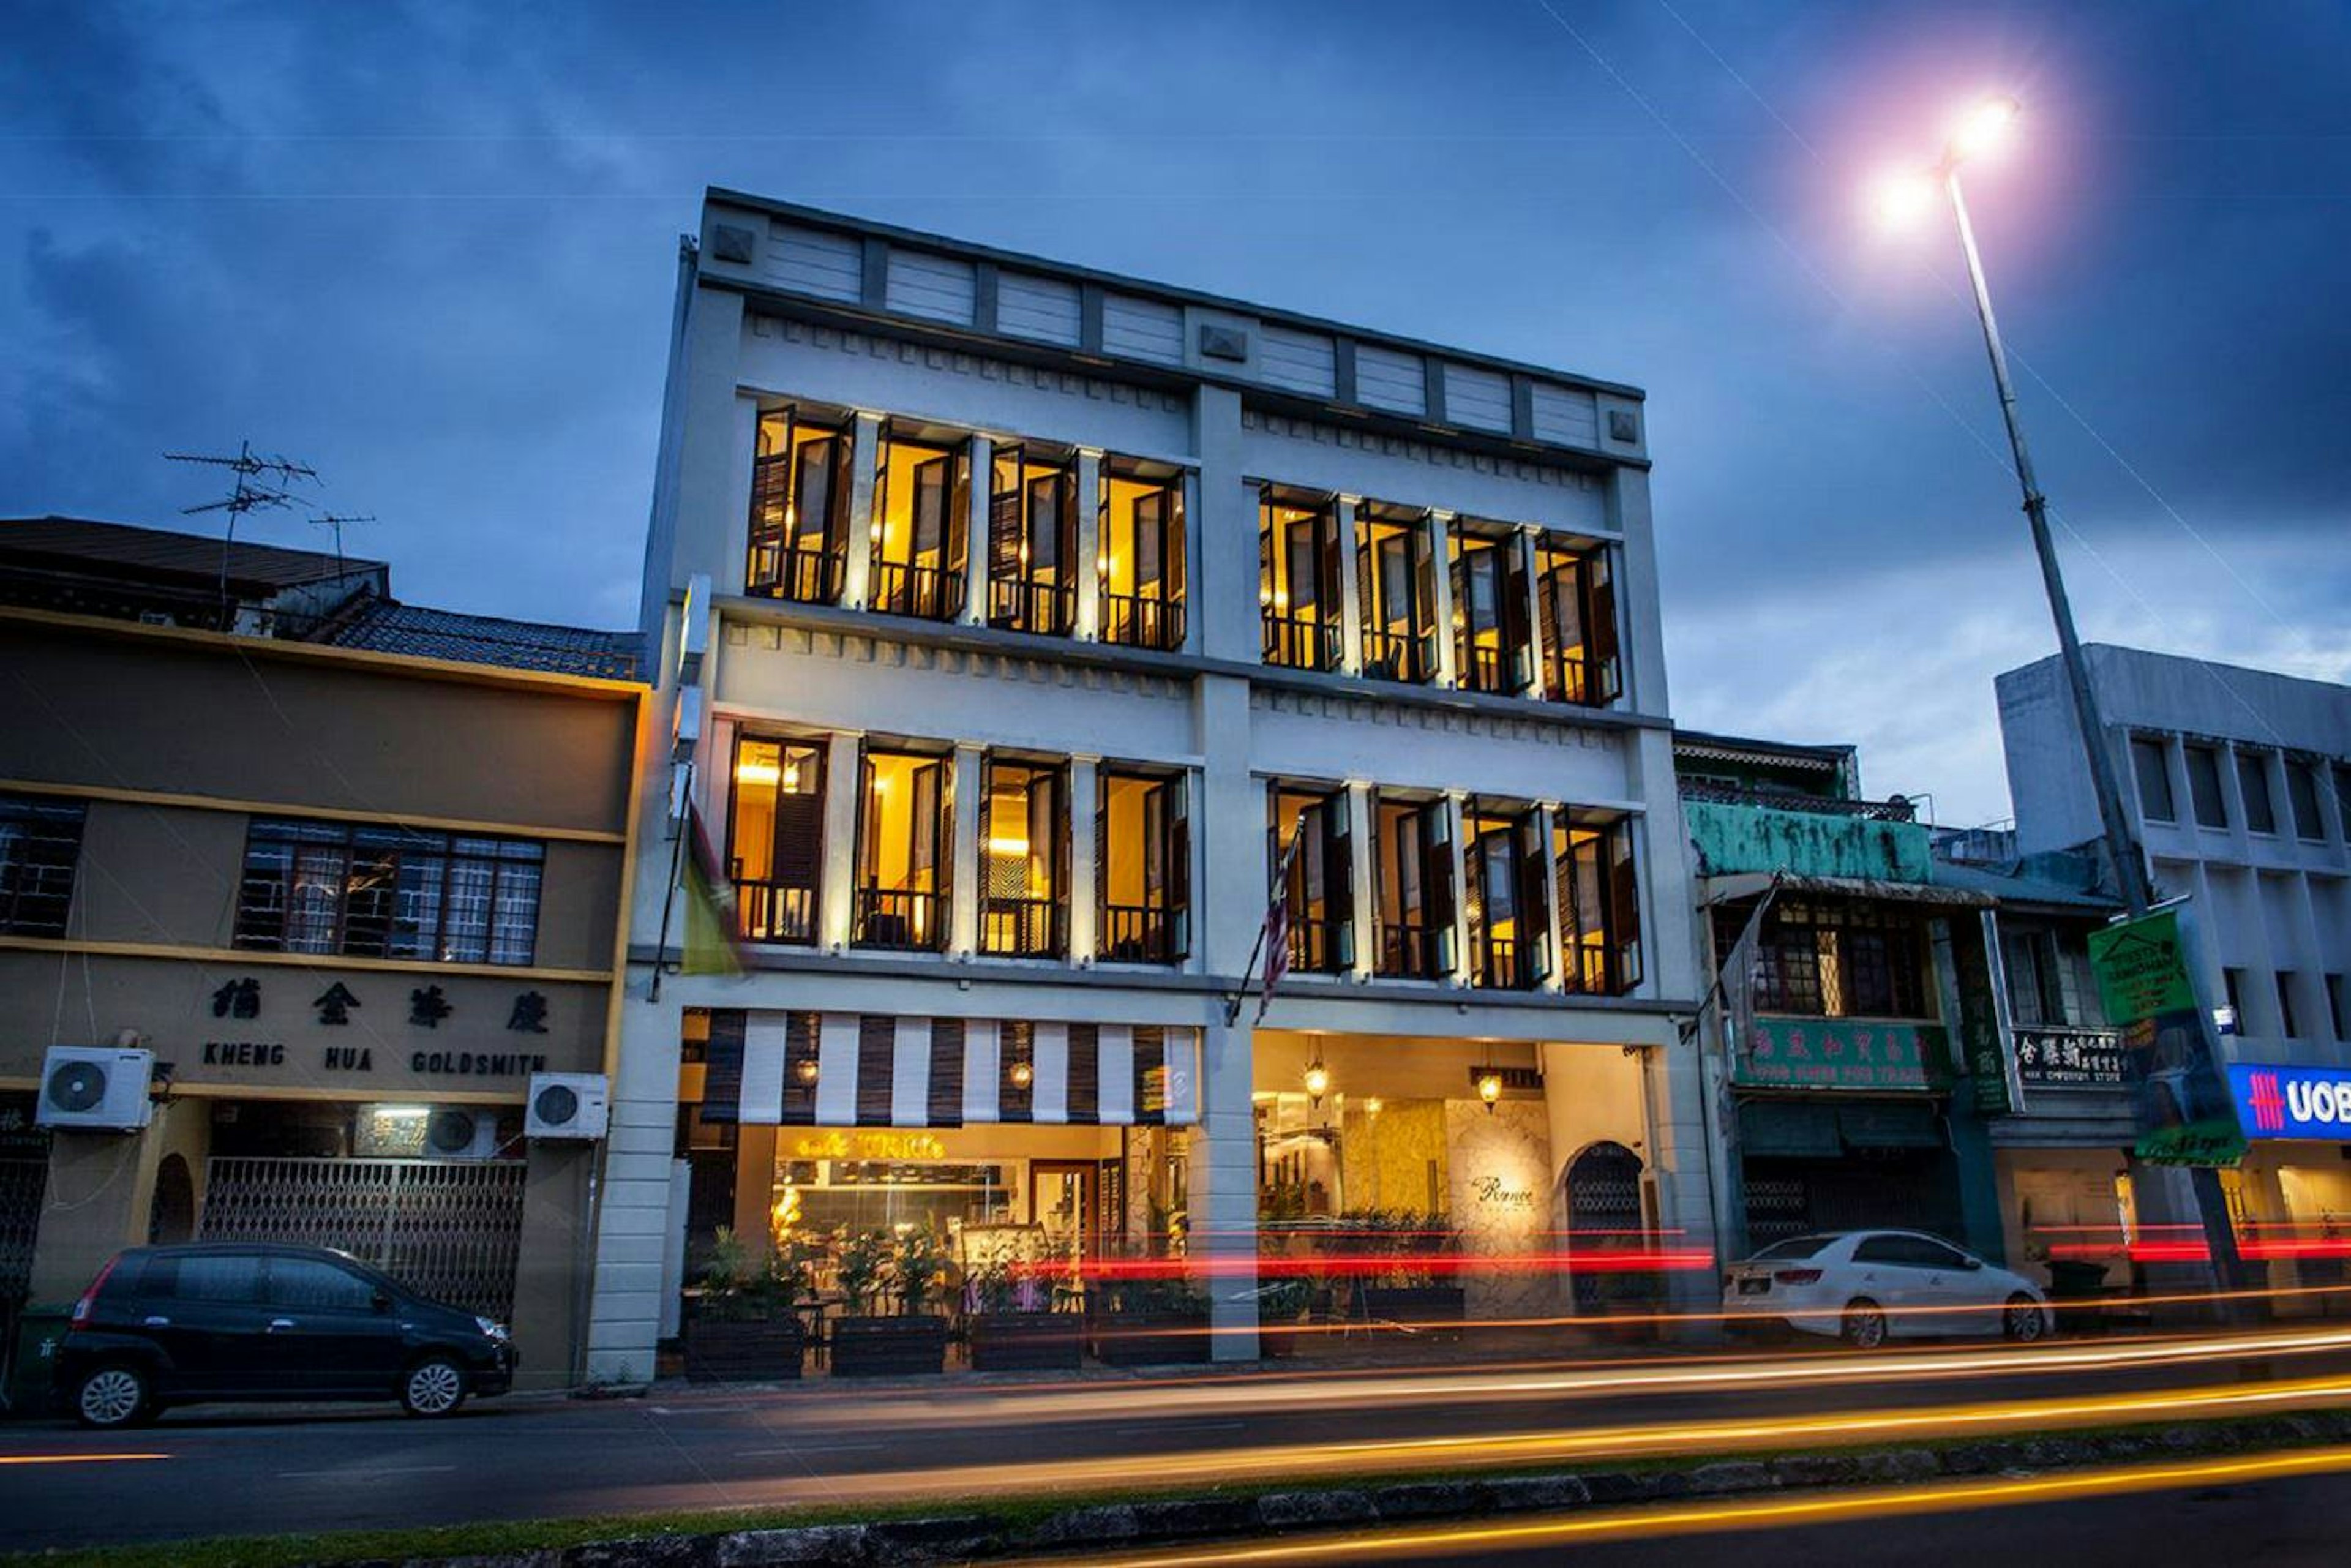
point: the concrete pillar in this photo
(974, 532)
(1224, 588)
(1456, 813)
(1191, 643)
(1363, 879)
(553, 1263)
(865, 450)
(1555, 981)
(1440, 525)
(1351, 590)
(1089, 564)
(1640, 635)
(1683, 1170)
(101, 1189)
(963, 912)
(755, 1165)
(1538, 684)
(1223, 1180)
(632, 1207)
(844, 775)
(1085, 876)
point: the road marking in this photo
(815, 1449)
(1177, 1428)
(356, 1471)
(76, 1458)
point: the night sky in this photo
(430, 249)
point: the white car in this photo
(1866, 1286)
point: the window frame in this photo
(771, 887)
(778, 523)
(921, 592)
(1467, 542)
(1281, 629)
(2253, 789)
(1585, 577)
(349, 841)
(1141, 620)
(1419, 949)
(1020, 597)
(1327, 945)
(1791, 979)
(2194, 752)
(1171, 789)
(2142, 748)
(19, 872)
(1409, 655)
(864, 891)
(1616, 892)
(1054, 943)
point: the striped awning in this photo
(881, 1069)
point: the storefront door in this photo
(1061, 1200)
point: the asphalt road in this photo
(259, 1471)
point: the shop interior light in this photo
(756, 773)
(1318, 1081)
(1489, 1088)
(1374, 1106)
(1023, 1074)
(805, 1070)
(402, 1113)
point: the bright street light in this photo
(1985, 130)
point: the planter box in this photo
(1423, 1306)
(763, 1350)
(1026, 1342)
(1148, 1339)
(889, 1347)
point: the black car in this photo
(185, 1325)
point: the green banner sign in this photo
(1836, 1054)
(2141, 966)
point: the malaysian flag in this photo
(1273, 934)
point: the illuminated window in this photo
(1509, 925)
(1836, 959)
(1032, 542)
(1142, 555)
(1143, 847)
(1577, 596)
(1319, 892)
(389, 892)
(800, 508)
(1413, 882)
(1491, 649)
(1599, 902)
(1394, 576)
(1298, 580)
(920, 490)
(904, 862)
(1024, 851)
(775, 838)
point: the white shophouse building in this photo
(1044, 608)
(2238, 783)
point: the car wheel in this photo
(113, 1396)
(1864, 1323)
(2024, 1322)
(433, 1386)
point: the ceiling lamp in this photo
(1489, 1088)
(1318, 1081)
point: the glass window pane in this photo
(315, 1285)
(514, 935)
(465, 928)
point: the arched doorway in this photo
(1604, 1215)
(172, 1216)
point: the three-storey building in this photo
(1027, 632)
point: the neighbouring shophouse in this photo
(2237, 783)
(1842, 1101)
(1016, 620)
(309, 912)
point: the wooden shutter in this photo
(1339, 876)
(933, 480)
(1517, 635)
(877, 1068)
(1004, 534)
(842, 454)
(797, 856)
(771, 489)
(1179, 866)
(801, 1033)
(1100, 891)
(1367, 586)
(1439, 898)
(1600, 629)
(1016, 1042)
(1327, 612)
(945, 1100)
(1624, 913)
(1534, 924)
(722, 1067)
(1084, 1102)
(881, 479)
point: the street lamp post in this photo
(1984, 128)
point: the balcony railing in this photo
(1408, 950)
(2069, 1054)
(1022, 928)
(926, 593)
(1133, 620)
(1315, 946)
(1894, 810)
(1300, 642)
(1047, 609)
(1483, 669)
(1592, 970)
(775, 911)
(800, 573)
(1137, 934)
(1393, 657)
(899, 921)
(1570, 681)
(1502, 964)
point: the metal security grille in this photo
(23, 1176)
(449, 1230)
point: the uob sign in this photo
(2291, 1101)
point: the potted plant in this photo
(1153, 1318)
(1010, 1321)
(743, 1329)
(1408, 1266)
(870, 1342)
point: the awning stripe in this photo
(1150, 1075)
(761, 1091)
(836, 1078)
(982, 1073)
(948, 1045)
(1084, 1105)
(1116, 1106)
(910, 1074)
(1049, 1097)
(801, 1033)
(877, 1061)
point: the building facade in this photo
(2238, 786)
(1020, 627)
(1844, 1096)
(340, 881)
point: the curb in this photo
(977, 1533)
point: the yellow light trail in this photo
(76, 1459)
(1754, 1514)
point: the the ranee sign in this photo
(2291, 1101)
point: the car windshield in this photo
(1794, 1247)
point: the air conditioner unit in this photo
(568, 1105)
(456, 1132)
(95, 1086)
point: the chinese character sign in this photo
(1835, 1053)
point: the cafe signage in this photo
(1835, 1053)
(870, 1146)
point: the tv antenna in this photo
(262, 483)
(338, 522)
